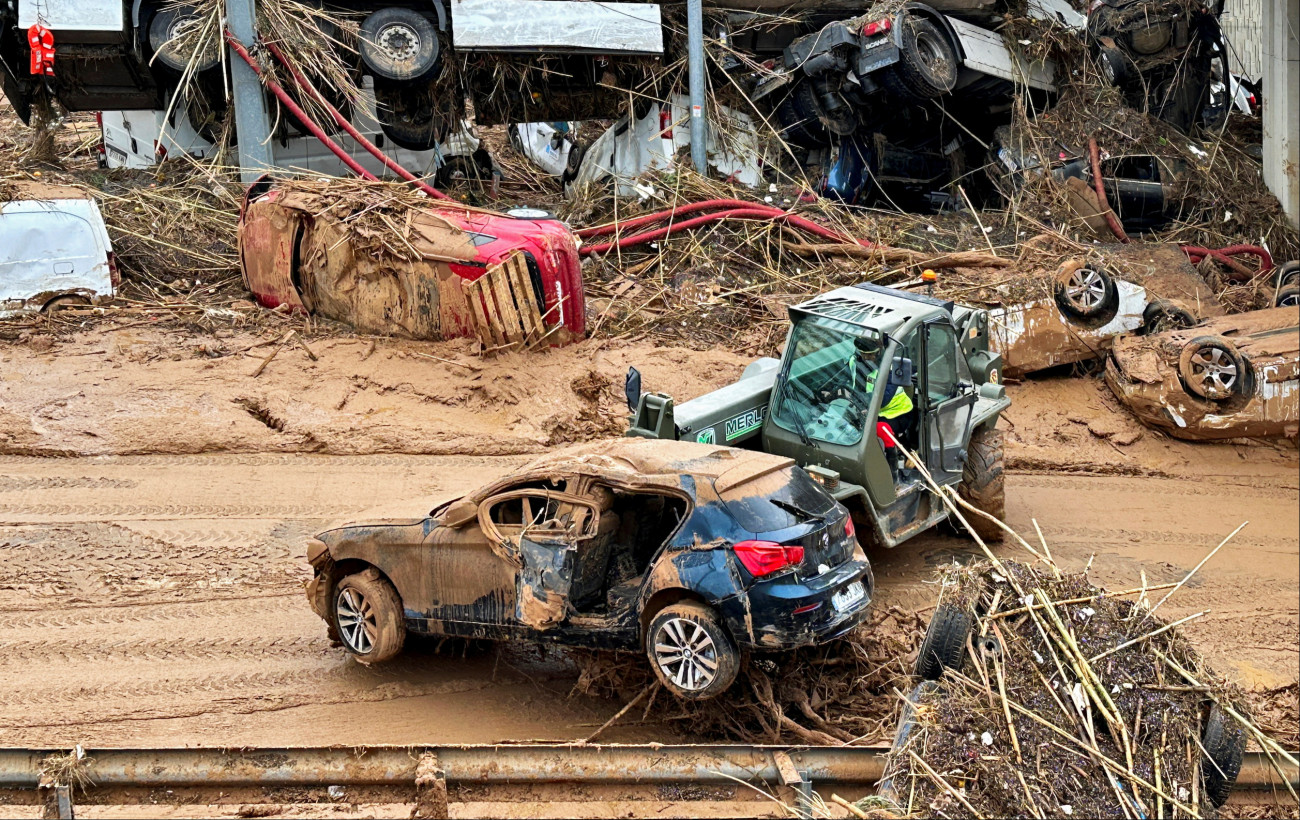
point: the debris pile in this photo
(826, 695)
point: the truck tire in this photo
(407, 115)
(399, 44)
(1224, 745)
(690, 652)
(1114, 66)
(170, 24)
(927, 62)
(367, 613)
(1212, 368)
(983, 484)
(944, 643)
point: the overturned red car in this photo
(427, 271)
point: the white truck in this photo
(54, 251)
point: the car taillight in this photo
(665, 124)
(766, 557)
(877, 27)
(849, 532)
(159, 151)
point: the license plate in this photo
(849, 597)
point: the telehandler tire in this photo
(982, 483)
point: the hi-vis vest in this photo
(901, 403)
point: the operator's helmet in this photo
(867, 345)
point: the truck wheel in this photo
(1161, 315)
(1224, 745)
(927, 62)
(407, 116)
(399, 44)
(1087, 292)
(172, 36)
(1212, 368)
(368, 617)
(982, 483)
(945, 640)
(690, 652)
(573, 164)
(1114, 66)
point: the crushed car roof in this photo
(657, 461)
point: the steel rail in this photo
(491, 765)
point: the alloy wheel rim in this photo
(356, 621)
(399, 41)
(1293, 300)
(686, 654)
(1086, 288)
(1215, 371)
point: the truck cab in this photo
(848, 355)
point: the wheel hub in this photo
(1085, 288)
(1215, 370)
(356, 619)
(686, 654)
(399, 41)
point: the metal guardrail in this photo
(525, 763)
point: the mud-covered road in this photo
(156, 599)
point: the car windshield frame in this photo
(826, 385)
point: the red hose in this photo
(1224, 255)
(636, 222)
(304, 84)
(732, 213)
(312, 127)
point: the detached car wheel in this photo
(1212, 368)
(1087, 293)
(927, 62)
(368, 617)
(983, 485)
(945, 640)
(399, 44)
(690, 652)
(1224, 745)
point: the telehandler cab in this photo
(863, 365)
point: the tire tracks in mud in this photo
(1166, 485)
(145, 612)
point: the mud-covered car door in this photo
(539, 532)
(949, 402)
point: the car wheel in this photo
(944, 643)
(573, 164)
(368, 617)
(399, 44)
(1212, 368)
(1114, 66)
(1288, 274)
(927, 62)
(1224, 745)
(982, 483)
(172, 33)
(690, 652)
(65, 302)
(1288, 296)
(1161, 315)
(1087, 292)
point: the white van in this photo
(54, 252)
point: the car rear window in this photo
(776, 500)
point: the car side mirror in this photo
(459, 513)
(632, 388)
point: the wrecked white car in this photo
(1096, 299)
(54, 252)
(1231, 377)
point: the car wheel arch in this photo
(662, 598)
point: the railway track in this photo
(466, 781)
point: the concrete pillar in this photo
(1281, 55)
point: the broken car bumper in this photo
(789, 612)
